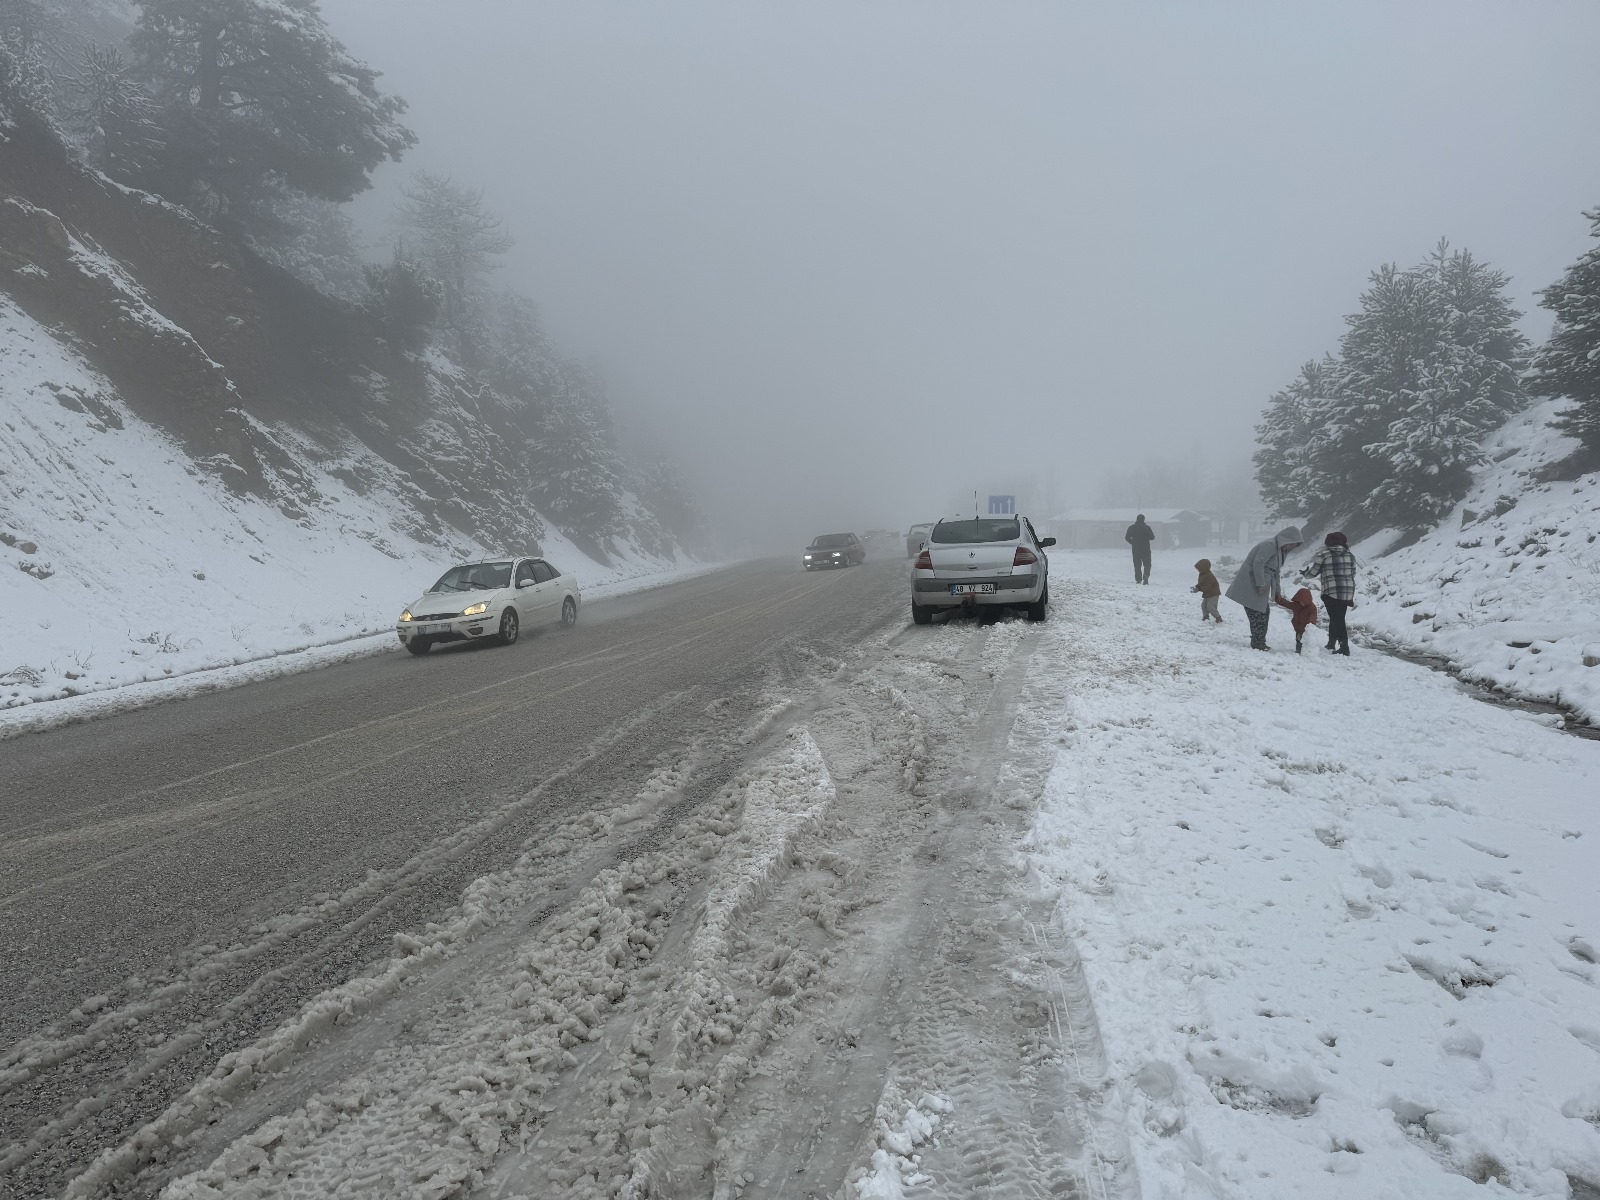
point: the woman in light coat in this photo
(1256, 585)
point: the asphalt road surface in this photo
(178, 879)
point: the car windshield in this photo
(474, 577)
(1002, 529)
(828, 540)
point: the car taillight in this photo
(1024, 557)
(924, 561)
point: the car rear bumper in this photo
(1008, 590)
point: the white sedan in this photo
(493, 598)
(985, 562)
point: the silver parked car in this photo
(982, 562)
(494, 598)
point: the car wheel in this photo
(418, 645)
(922, 614)
(1036, 611)
(569, 613)
(508, 626)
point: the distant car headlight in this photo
(808, 556)
(473, 610)
(406, 616)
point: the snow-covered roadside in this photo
(144, 577)
(1337, 917)
(1507, 589)
(71, 710)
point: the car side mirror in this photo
(522, 583)
(1047, 541)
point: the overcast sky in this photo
(845, 262)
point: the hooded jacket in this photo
(1304, 609)
(1256, 584)
(1208, 585)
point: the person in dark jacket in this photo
(1210, 592)
(1139, 536)
(1257, 585)
(1335, 566)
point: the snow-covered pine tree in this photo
(109, 115)
(667, 494)
(1288, 437)
(28, 52)
(1390, 432)
(315, 241)
(1568, 365)
(1398, 329)
(448, 229)
(577, 472)
(252, 90)
(519, 360)
(1479, 319)
(1431, 448)
(405, 301)
(1431, 363)
(1464, 387)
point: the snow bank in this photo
(1508, 589)
(1337, 916)
(902, 1128)
(122, 563)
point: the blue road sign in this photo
(1002, 506)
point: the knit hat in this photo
(1336, 539)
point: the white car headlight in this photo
(406, 616)
(473, 610)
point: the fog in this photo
(847, 263)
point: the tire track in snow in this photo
(138, 1166)
(764, 981)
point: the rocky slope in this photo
(205, 459)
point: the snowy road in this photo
(179, 880)
(749, 888)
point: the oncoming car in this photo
(984, 562)
(494, 598)
(834, 550)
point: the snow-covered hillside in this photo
(1507, 589)
(121, 561)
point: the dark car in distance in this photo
(835, 550)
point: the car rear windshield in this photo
(474, 577)
(1004, 529)
(832, 539)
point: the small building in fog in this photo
(1103, 528)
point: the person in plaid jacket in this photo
(1335, 565)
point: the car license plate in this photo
(971, 589)
(427, 629)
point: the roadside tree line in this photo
(255, 118)
(1387, 432)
